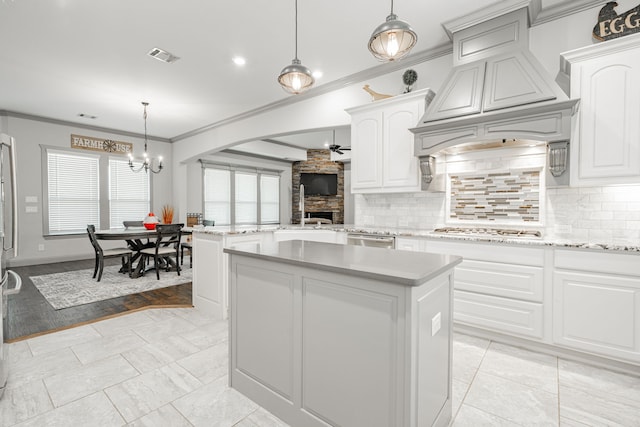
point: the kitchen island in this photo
(325, 334)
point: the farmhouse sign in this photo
(98, 144)
(611, 25)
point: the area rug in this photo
(72, 288)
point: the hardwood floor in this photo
(29, 313)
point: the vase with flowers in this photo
(167, 214)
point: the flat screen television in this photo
(319, 184)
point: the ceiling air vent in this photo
(162, 55)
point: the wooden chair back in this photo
(168, 235)
(91, 231)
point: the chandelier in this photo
(147, 164)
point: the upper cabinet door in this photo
(400, 165)
(610, 118)
(366, 146)
(462, 95)
(605, 145)
(514, 79)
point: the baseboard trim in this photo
(552, 350)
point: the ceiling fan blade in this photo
(338, 151)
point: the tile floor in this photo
(168, 367)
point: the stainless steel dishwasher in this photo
(371, 240)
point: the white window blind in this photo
(269, 199)
(129, 193)
(246, 200)
(217, 195)
(73, 193)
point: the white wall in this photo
(30, 135)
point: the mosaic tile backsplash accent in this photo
(505, 196)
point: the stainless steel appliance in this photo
(485, 231)
(371, 240)
(10, 282)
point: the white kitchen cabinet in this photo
(596, 303)
(498, 288)
(382, 147)
(211, 269)
(410, 244)
(605, 145)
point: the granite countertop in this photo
(429, 234)
(406, 268)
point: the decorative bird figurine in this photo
(375, 95)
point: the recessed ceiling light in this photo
(239, 60)
(317, 74)
(87, 116)
(326, 144)
(162, 55)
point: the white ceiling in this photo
(60, 58)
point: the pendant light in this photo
(296, 78)
(393, 39)
(147, 164)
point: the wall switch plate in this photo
(31, 209)
(31, 199)
(436, 323)
(41, 247)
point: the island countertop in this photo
(401, 267)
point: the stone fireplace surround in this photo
(318, 161)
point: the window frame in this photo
(259, 172)
(103, 171)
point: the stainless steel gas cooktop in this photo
(482, 231)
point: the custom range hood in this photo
(496, 91)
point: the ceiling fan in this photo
(338, 148)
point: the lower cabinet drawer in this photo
(499, 314)
(522, 282)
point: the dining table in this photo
(137, 238)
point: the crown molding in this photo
(17, 115)
(563, 9)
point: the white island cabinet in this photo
(210, 268)
(325, 334)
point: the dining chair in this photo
(124, 253)
(188, 245)
(167, 246)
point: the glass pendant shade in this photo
(295, 78)
(392, 40)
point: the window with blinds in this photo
(246, 200)
(235, 195)
(269, 199)
(217, 195)
(73, 195)
(129, 193)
